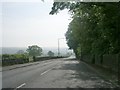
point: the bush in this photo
(14, 59)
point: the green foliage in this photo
(20, 52)
(8, 59)
(50, 53)
(34, 50)
(94, 28)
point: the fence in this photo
(109, 61)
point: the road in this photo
(56, 73)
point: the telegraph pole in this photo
(59, 46)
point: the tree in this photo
(34, 50)
(94, 28)
(20, 52)
(50, 53)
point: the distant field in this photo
(13, 50)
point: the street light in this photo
(59, 45)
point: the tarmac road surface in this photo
(55, 73)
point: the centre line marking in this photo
(45, 71)
(21, 85)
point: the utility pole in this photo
(59, 46)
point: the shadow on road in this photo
(84, 74)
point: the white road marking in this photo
(21, 85)
(45, 71)
(47, 63)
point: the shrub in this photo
(8, 59)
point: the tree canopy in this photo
(50, 53)
(20, 52)
(94, 28)
(34, 50)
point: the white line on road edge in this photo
(45, 71)
(20, 86)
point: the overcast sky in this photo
(29, 23)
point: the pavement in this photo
(6, 68)
(18, 66)
(57, 73)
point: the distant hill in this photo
(13, 50)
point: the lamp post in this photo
(59, 46)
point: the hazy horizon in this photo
(13, 50)
(26, 23)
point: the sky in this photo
(29, 23)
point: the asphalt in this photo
(56, 73)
